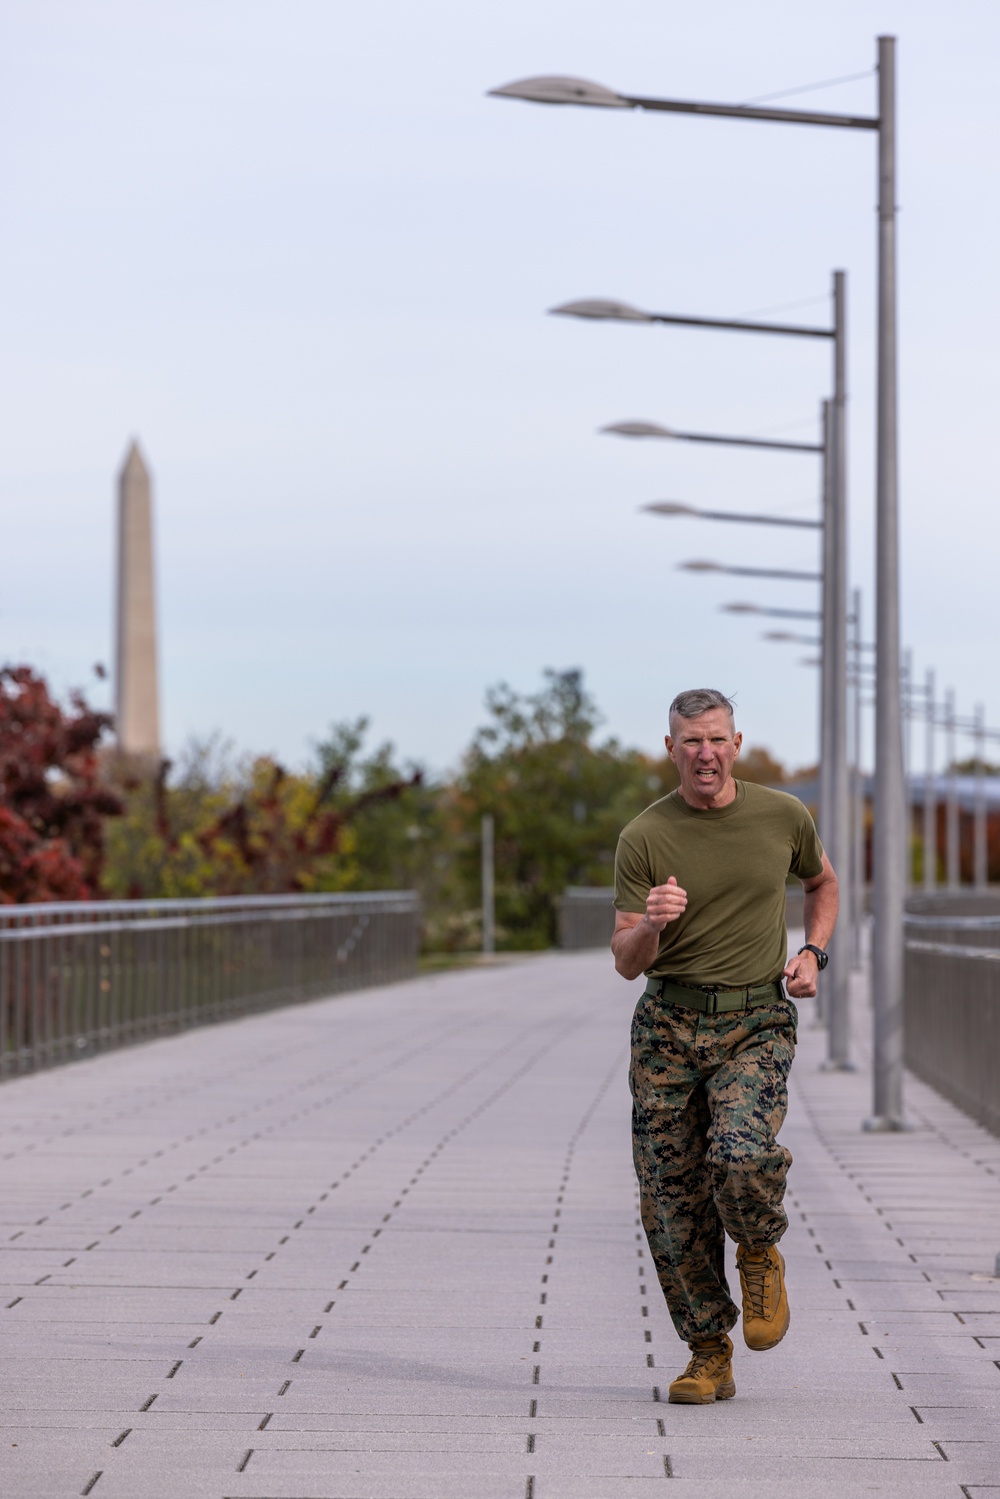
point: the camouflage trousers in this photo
(708, 1098)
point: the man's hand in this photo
(636, 941)
(800, 975)
(665, 903)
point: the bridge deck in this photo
(387, 1245)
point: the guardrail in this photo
(586, 917)
(949, 903)
(952, 1009)
(78, 978)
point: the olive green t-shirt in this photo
(733, 862)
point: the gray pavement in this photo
(388, 1245)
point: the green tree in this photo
(558, 800)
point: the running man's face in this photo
(704, 750)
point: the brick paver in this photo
(388, 1245)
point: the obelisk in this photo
(137, 710)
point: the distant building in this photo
(137, 701)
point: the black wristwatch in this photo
(822, 958)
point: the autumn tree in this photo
(217, 826)
(53, 800)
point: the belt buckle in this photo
(711, 1001)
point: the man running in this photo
(700, 882)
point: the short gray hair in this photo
(697, 701)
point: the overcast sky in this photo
(297, 252)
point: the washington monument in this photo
(137, 710)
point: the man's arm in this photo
(636, 939)
(820, 907)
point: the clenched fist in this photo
(665, 903)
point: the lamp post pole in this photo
(836, 824)
(952, 872)
(979, 861)
(889, 841)
(859, 871)
(930, 801)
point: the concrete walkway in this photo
(388, 1245)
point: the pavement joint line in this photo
(463, 1123)
(261, 1105)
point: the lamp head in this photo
(601, 308)
(638, 429)
(560, 90)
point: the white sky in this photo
(297, 252)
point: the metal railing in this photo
(952, 1009)
(586, 917)
(83, 977)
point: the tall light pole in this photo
(979, 855)
(889, 843)
(834, 814)
(930, 799)
(889, 840)
(859, 869)
(951, 842)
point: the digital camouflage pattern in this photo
(709, 1096)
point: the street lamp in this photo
(771, 612)
(787, 574)
(890, 827)
(652, 429)
(792, 638)
(602, 309)
(673, 507)
(834, 813)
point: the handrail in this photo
(77, 978)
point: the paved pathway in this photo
(388, 1245)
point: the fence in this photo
(83, 977)
(586, 917)
(952, 999)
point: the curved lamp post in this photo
(834, 809)
(653, 429)
(789, 575)
(673, 507)
(890, 828)
(773, 613)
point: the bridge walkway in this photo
(386, 1246)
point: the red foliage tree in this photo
(52, 800)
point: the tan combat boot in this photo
(708, 1376)
(765, 1304)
